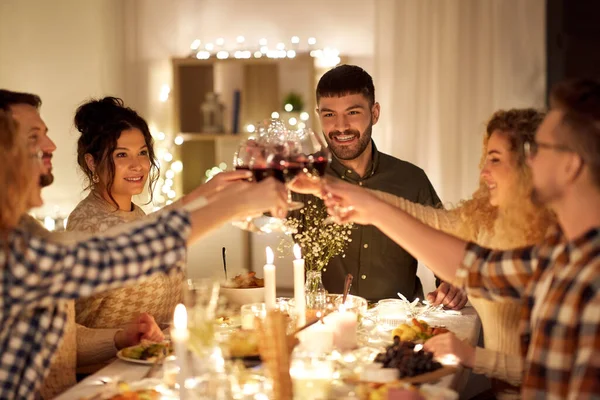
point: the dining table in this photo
(464, 323)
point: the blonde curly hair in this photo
(520, 222)
(16, 174)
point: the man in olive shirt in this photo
(347, 111)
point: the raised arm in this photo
(500, 273)
(39, 270)
(441, 219)
(42, 270)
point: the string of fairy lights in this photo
(165, 145)
(241, 49)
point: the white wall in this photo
(65, 51)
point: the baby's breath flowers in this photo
(319, 242)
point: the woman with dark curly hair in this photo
(116, 155)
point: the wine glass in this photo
(277, 144)
(244, 153)
(242, 158)
(252, 154)
(308, 153)
(312, 152)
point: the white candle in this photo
(317, 338)
(179, 337)
(270, 284)
(299, 295)
(344, 324)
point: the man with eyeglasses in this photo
(558, 280)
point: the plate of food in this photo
(417, 331)
(404, 362)
(145, 389)
(145, 352)
(225, 322)
(243, 345)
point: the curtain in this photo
(442, 67)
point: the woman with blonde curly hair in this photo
(499, 215)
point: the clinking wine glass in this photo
(252, 155)
(310, 150)
(242, 158)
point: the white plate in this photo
(133, 360)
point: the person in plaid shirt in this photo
(37, 274)
(558, 280)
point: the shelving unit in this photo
(263, 84)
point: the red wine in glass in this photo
(263, 173)
(294, 168)
(320, 165)
(244, 168)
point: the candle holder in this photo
(201, 300)
(311, 376)
(250, 313)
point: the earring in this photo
(95, 178)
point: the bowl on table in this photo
(356, 304)
(243, 289)
(241, 296)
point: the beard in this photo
(46, 179)
(343, 152)
(540, 198)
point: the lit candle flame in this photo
(297, 252)
(270, 256)
(180, 317)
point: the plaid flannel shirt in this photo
(38, 274)
(559, 283)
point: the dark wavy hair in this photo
(9, 98)
(101, 123)
(344, 80)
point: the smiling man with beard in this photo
(347, 111)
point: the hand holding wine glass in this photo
(348, 203)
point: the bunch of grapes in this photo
(401, 355)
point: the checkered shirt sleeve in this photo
(559, 284)
(36, 274)
(496, 275)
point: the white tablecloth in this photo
(466, 326)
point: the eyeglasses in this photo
(531, 148)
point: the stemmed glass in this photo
(308, 153)
(242, 159)
(311, 152)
